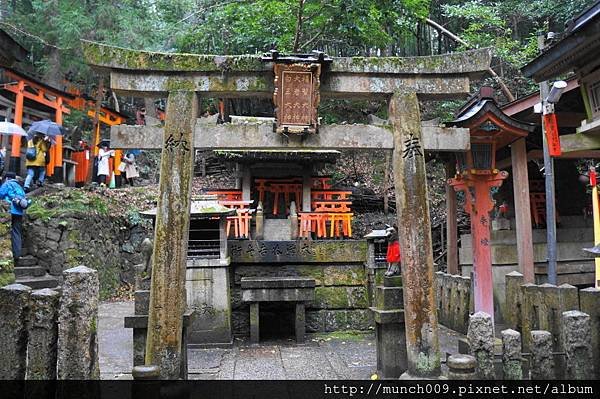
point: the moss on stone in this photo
(315, 272)
(174, 84)
(93, 326)
(427, 364)
(6, 278)
(331, 298)
(124, 58)
(344, 275)
(468, 61)
(59, 205)
(346, 335)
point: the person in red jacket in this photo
(393, 256)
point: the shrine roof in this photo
(578, 47)
(112, 57)
(482, 115)
(471, 114)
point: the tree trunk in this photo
(298, 33)
(454, 37)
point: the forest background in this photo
(51, 30)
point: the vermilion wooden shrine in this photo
(490, 130)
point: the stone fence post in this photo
(589, 302)
(514, 300)
(577, 340)
(43, 335)
(541, 364)
(511, 355)
(14, 309)
(77, 329)
(481, 342)
(461, 367)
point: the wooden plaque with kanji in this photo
(296, 97)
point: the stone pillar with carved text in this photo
(167, 293)
(414, 230)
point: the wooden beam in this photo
(26, 111)
(39, 97)
(579, 142)
(261, 136)
(538, 154)
(522, 210)
(451, 222)
(106, 117)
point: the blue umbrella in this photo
(45, 127)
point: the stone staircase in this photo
(30, 274)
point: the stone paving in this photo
(323, 356)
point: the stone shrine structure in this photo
(181, 78)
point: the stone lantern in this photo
(376, 259)
(207, 281)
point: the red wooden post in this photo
(479, 204)
(451, 224)
(15, 151)
(57, 165)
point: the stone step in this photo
(35, 271)
(36, 283)
(27, 261)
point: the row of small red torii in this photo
(25, 87)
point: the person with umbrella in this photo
(9, 129)
(35, 159)
(39, 136)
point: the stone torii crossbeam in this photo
(181, 78)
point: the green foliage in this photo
(74, 119)
(66, 202)
(510, 26)
(487, 27)
(257, 26)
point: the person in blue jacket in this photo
(12, 192)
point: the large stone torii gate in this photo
(183, 77)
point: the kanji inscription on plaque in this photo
(296, 97)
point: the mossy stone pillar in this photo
(43, 335)
(14, 312)
(77, 354)
(414, 231)
(167, 292)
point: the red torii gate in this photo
(106, 116)
(26, 87)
